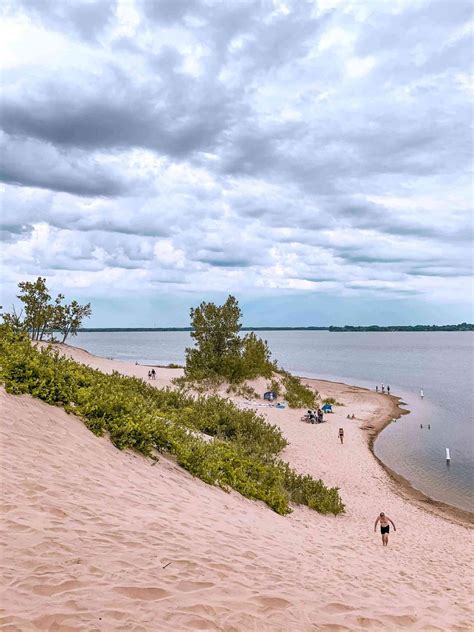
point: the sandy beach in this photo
(97, 539)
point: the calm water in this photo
(440, 363)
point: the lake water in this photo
(440, 363)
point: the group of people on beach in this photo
(314, 416)
(152, 375)
(383, 389)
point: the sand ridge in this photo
(97, 539)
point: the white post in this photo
(448, 456)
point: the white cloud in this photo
(235, 147)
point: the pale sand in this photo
(87, 530)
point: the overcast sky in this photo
(312, 158)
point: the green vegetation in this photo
(297, 394)
(208, 436)
(460, 327)
(332, 401)
(221, 354)
(43, 316)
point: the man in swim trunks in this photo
(384, 527)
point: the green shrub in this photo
(297, 394)
(332, 401)
(275, 386)
(243, 454)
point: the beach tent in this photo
(270, 395)
(327, 408)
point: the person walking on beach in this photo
(388, 389)
(341, 435)
(384, 527)
(377, 388)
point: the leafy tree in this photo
(36, 300)
(44, 316)
(216, 334)
(220, 352)
(68, 318)
(256, 357)
(14, 321)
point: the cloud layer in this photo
(277, 148)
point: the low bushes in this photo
(297, 394)
(243, 455)
(332, 401)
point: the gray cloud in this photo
(279, 146)
(32, 164)
(84, 18)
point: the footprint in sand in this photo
(189, 586)
(336, 608)
(273, 602)
(143, 593)
(49, 591)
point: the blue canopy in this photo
(327, 408)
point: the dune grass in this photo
(241, 450)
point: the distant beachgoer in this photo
(153, 374)
(422, 394)
(421, 425)
(353, 416)
(388, 389)
(149, 375)
(429, 427)
(348, 416)
(136, 362)
(341, 435)
(377, 388)
(383, 389)
(320, 416)
(384, 527)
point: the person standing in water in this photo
(384, 527)
(388, 389)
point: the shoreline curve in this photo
(400, 485)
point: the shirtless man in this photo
(384, 527)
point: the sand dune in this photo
(97, 539)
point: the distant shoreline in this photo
(331, 328)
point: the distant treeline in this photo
(460, 327)
(89, 329)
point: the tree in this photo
(13, 320)
(216, 334)
(220, 351)
(256, 360)
(36, 300)
(44, 316)
(68, 318)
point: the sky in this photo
(313, 158)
